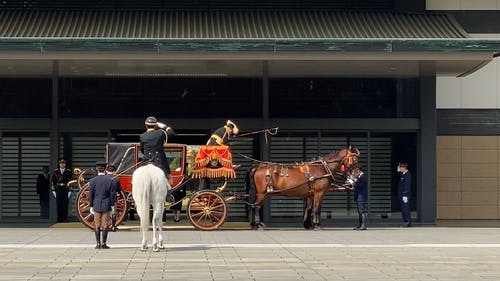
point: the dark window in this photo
(176, 98)
(25, 97)
(341, 98)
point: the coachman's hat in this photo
(61, 160)
(100, 164)
(151, 121)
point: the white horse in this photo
(150, 187)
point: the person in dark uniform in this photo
(360, 186)
(111, 172)
(102, 198)
(404, 193)
(223, 135)
(43, 191)
(152, 142)
(60, 178)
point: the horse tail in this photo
(141, 182)
(250, 185)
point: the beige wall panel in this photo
(448, 184)
(449, 142)
(479, 89)
(448, 155)
(479, 142)
(449, 198)
(479, 5)
(448, 170)
(479, 170)
(449, 212)
(448, 92)
(479, 156)
(443, 4)
(479, 212)
(480, 184)
(480, 198)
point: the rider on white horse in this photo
(152, 142)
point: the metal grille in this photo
(243, 146)
(22, 161)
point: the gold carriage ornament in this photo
(214, 161)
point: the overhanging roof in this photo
(226, 25)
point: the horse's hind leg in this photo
(308, 212)
(157, 216)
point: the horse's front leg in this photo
(308, 212)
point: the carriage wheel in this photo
(207, 210)
(83, 208)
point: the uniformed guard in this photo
(360, 186)
(60, 178)
(404, 193)
(223, 135)
(102, 198)
(152, 142)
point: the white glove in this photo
(405, 199)
(54, 193)
(113, 210)
(161, 125)
(350, 181)
(92, 210)
(69, 194)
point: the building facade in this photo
(379, 75)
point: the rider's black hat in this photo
(151, 121)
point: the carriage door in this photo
(23, 156)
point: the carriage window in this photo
(174, 159)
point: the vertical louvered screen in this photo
(239, 147)
(22, 160)
(380, 175)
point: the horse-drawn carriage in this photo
(207, 207)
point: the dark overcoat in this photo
(102, 193)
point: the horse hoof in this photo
(317, 227)
(144, 249)
(161, 247)
(156, 249)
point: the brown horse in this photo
(310, 181)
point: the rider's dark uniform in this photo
(152, 146)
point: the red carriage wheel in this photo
(83, 208)
(207, 210)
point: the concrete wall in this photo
(462, 4)
(478, 90)
(468, 177)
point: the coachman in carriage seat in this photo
(214, 160)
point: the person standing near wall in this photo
(404, 193)
(43, 191)
(60, 178)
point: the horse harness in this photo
(272, 168)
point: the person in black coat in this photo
(360, 186)
(60, 178)
(152, 142)
(43, 191)
(102, 197)
(404, 193)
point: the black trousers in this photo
(362, 207)
(405, 212)
(62, 204)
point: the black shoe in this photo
(405, 225)
(104, 246)
(98, 246)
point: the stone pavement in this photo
(381, 253)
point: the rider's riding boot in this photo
(113, 222)
(104, 238)
(364, 217)
(360, 219)
(97, 232)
